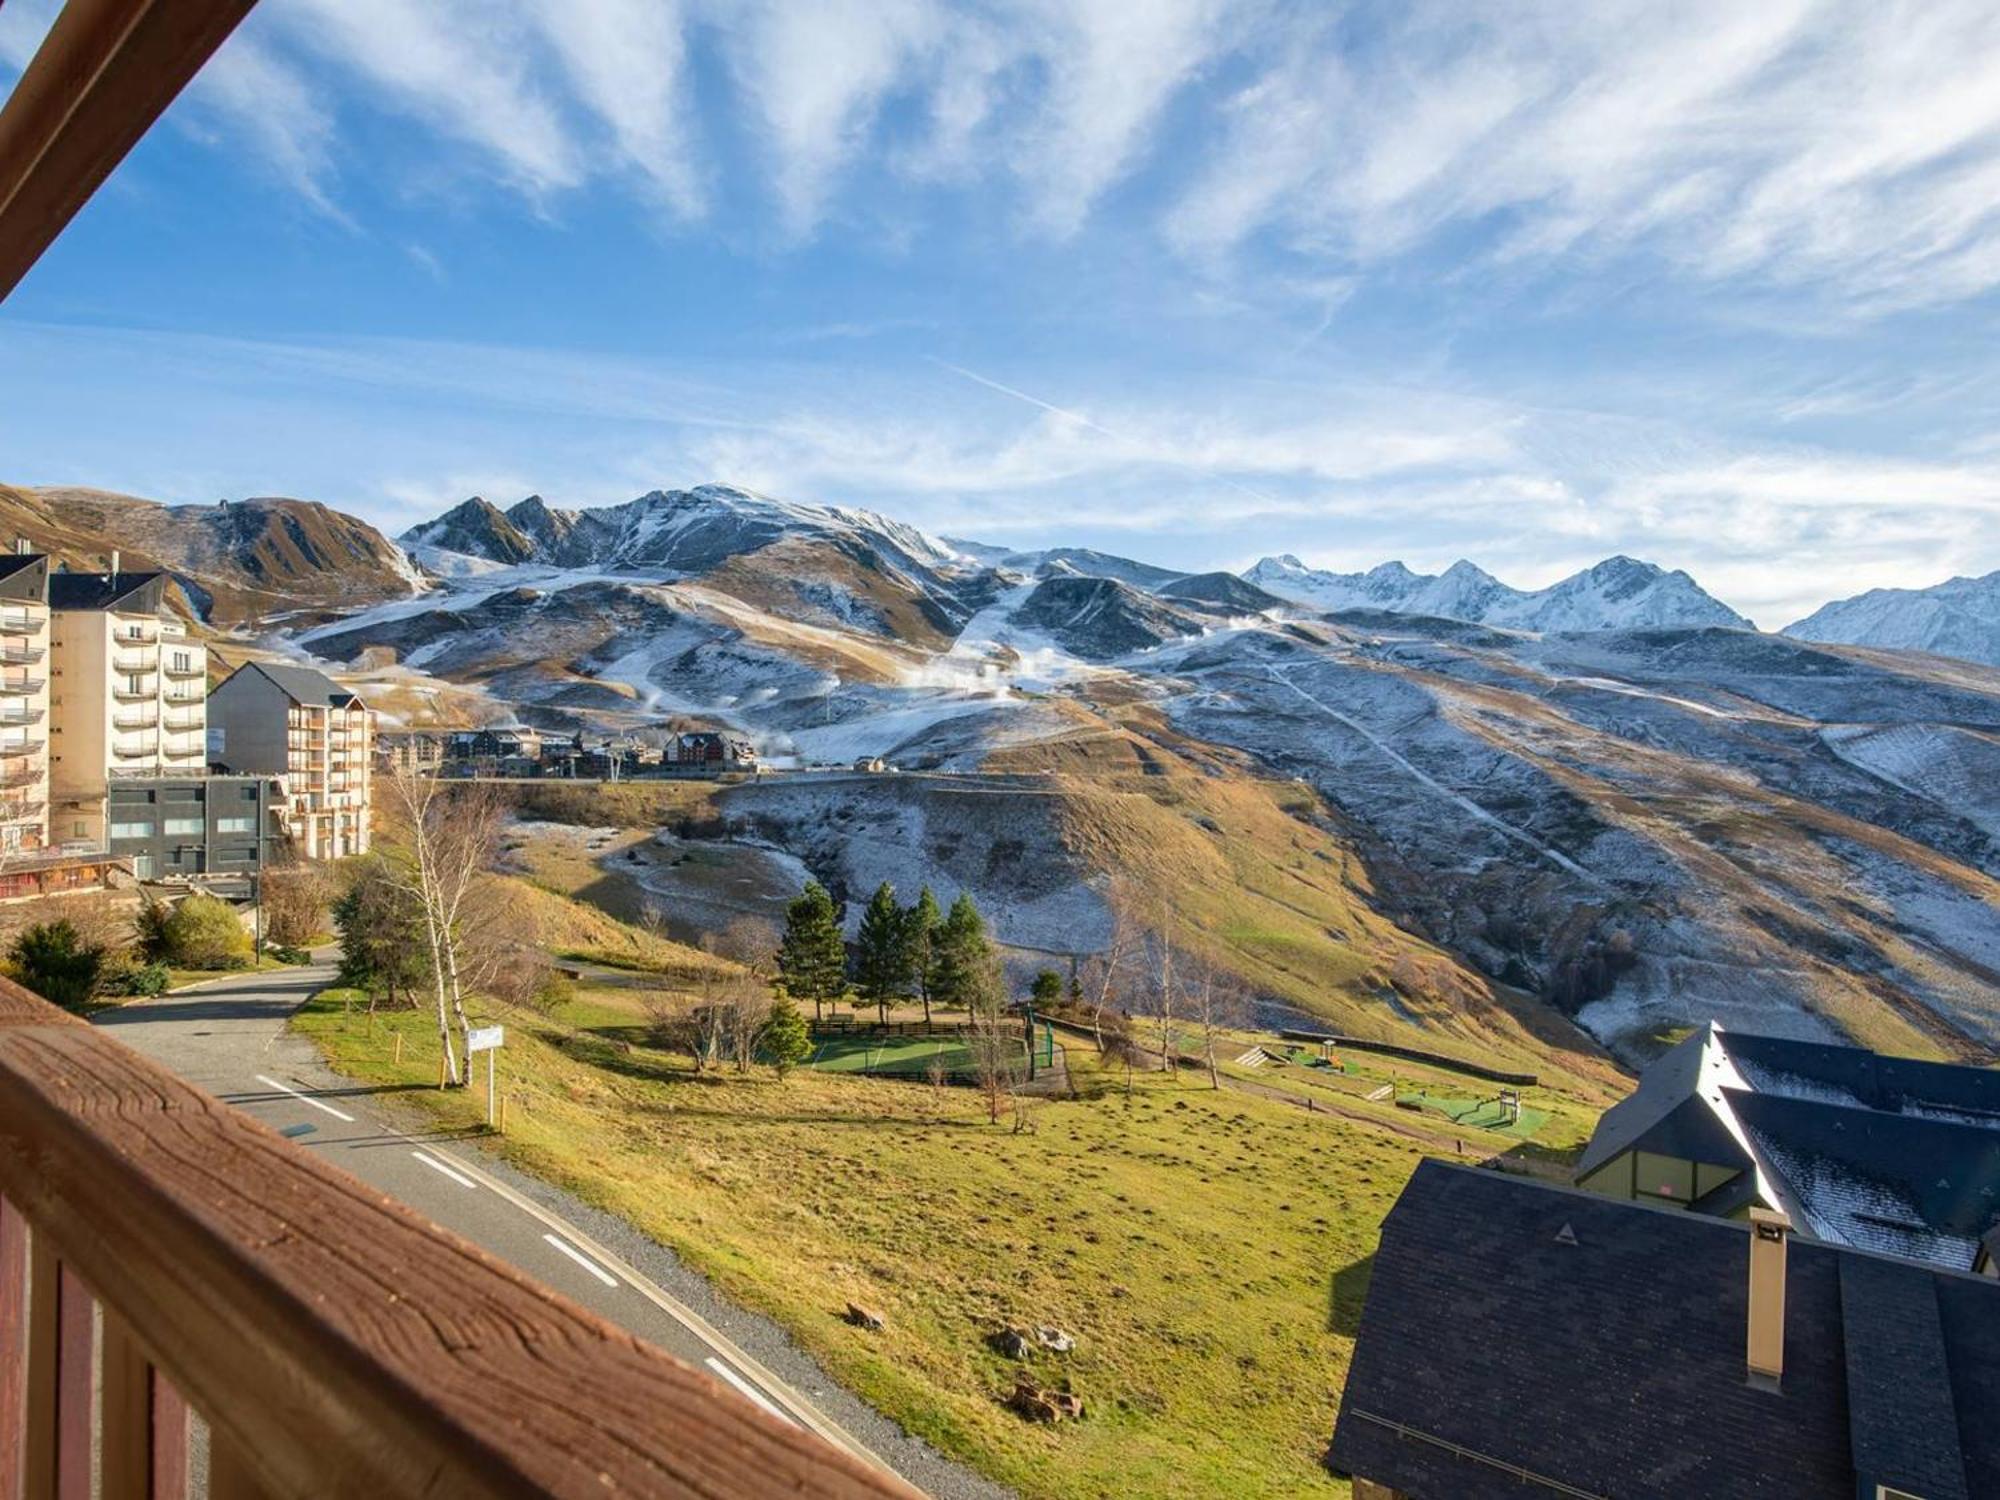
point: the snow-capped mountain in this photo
(1960, 617)
(1619, 593)
(681, 531)
(473, 528)
(1082, 562)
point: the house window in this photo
(235, 825)
(135, 830)
(184, 826)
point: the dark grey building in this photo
(214, 830)
(1523, 1340)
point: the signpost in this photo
(487, 1039)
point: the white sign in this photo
(485, 1039)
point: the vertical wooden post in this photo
(492, 1098)
(169, 1438)
(75, 1348)
(125, 1416)
(38, 1443)
(13, 1344)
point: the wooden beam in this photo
(338, 1344)
(105, 73)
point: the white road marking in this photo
(285, 1088)
(583, 1260)
(437, 1166)
(747, 1389)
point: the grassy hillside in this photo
(234, 563)
(1253, 874)
(1209, 1251)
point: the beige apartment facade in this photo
(127, 696)
(24, 704)
(318, 737)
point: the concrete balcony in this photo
(22, 622)
(136, 661)
(146, 693)
(196, 668)
(22, 687)
(138, 747)
(22, 656)
(145, 717)
(12, 714)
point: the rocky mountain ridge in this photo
(1959, 617)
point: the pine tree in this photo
(960, 954)
(1047, 988)
(812, 960)
(881, 954)
(920, 930)
(785, 1042)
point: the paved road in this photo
(229, 1037)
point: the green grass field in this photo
(1209, 1249)
(903, 1056)
(1483, 1113)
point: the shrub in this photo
(295, 900)
(204, 932)
(786, 1043)
(286, 955)
(140, 981)
(58, 964)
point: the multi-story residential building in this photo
(127, 695)
(24, 703)
(316, 736)
(215, 831)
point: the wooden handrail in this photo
(105, 72)
(334, 1341)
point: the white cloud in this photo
(462, 67)
(1818, 142)
(816, 76)
(266, 99)
(625, 60)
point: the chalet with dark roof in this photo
(1523, 1340)
(1881, 1153)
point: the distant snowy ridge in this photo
(673, 530)
(1620, 593)
(1960, 617)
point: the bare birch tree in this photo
(448, 837)
(1215, 1003)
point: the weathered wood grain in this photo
(340, 1344)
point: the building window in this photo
(126, 830)
(235, 825)
(184, 827)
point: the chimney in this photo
(20, 546)
(114, 565)
(1769, 1234)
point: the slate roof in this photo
(138, 593)
(1883, 1153)
(1902, 1184)
(305, 685)
(1525, 1340)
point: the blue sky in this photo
(1195, 280)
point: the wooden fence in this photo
(333, 1341)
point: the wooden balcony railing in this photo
(333, 1341)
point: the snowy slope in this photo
(1619, 593)
(1960, 617)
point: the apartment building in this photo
(127, 695)
(24, 704)
(317, 736)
